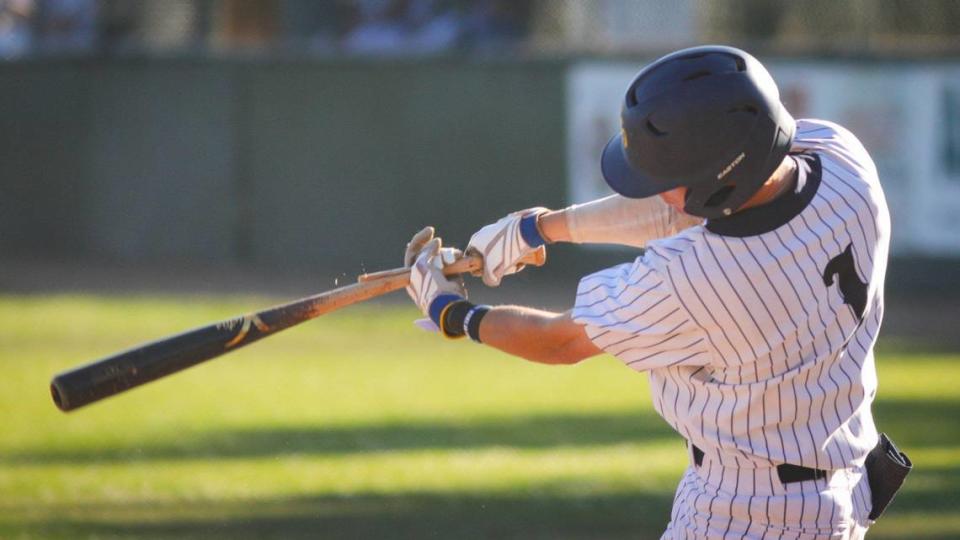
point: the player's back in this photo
(785, 301)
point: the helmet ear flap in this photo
(715, 202)
(720, 196)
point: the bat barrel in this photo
(93, 382)
(112, 375)
(120, 372)
(86, 384)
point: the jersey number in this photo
(852, 290)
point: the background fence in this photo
(296, 162)
(300, 134)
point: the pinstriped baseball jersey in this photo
(757, 329)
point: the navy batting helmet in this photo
(706, 118)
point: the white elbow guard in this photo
(619, 220)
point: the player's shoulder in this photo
(610, 282)
(662, 253)
(834, 144)
(816, 129)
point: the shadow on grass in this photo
(534, 431)
(434, 515)
(537, 514)
(919, 423)
(421, 515)
(927, 507)
(930, 489)
(945, 348)
(913, 424)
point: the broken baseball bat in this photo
(148, 362)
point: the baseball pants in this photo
(713, 501)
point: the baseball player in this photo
(753, 308)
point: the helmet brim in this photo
(623, 178)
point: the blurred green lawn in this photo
(360, 425)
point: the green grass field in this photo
(360, 425)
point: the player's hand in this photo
(427, 281)
(502, 245)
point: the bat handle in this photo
(471, 263)
(474, 263)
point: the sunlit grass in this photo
(358, 424)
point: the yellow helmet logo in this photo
(623, 135)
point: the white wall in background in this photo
(907, 116)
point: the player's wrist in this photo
(530, 230)
(437, 306)
(471, 321)
(462, 318)
(552, 225)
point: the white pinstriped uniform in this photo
(755, 348)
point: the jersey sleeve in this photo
(630, 313)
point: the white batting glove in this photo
(503, 244)
(429, 288)
(416, 245)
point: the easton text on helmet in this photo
(726, 170)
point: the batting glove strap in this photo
(530, 232)
(438, 304)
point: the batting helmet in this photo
(706, 118)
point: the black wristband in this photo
(453, 318)
(472, 322)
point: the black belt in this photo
(787, 473)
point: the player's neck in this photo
(780, 182)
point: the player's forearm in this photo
(614, 220)
(536, 335)
(553, 226)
